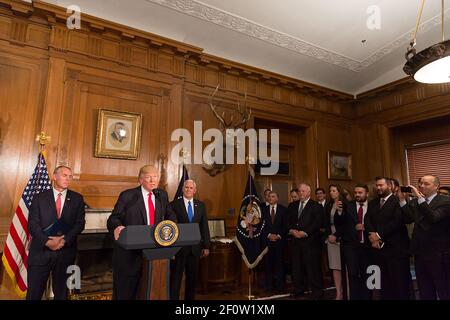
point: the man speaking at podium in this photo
(144, 205)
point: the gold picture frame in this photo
(339, 165)
(118, 134)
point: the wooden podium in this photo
(156, 271)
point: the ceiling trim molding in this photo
(244, 26)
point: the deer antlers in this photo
(244, 113)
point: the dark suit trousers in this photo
(189, 265)
(307, 267)
(357, 259)
(431, 276)
(395, 275)
(57, 265)
(125, 287)
(274, 265)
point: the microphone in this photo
(157, 194)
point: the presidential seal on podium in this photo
(166, 233)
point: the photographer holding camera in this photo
(430, 242)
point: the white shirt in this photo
(145, 196)
(430, 198)
(323, 202)
(386, 199)
(63, 197)
(274, 207)
(304, 204)
(186, 204)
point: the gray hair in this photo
(304, 184)
(437, 181)
(60, 167)
(189, 180)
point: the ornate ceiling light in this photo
(431, 65)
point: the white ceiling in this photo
(317, 41)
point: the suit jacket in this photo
(431, 225)
(347, 222)
(279, 225)
(337, 221)
(130, 210)
(43, 214)
(178, 208)
(389, 224)
(310, 221)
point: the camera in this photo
(406, 189)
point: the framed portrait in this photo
(339, 165)
(118, 134)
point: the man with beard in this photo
(355, 247)
(390, 242)
(430, 213)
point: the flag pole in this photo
(43, 139)
(250, 274)
(250, 296)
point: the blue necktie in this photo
(190, 212)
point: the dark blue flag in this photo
(184, 177)
(250, 232)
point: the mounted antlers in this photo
(244, 113)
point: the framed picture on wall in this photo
(118, 134)
(339, 165)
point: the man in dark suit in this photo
(390, 242)
(144, 205)
(305, 217)
(266, 198)
(54, 253)
(275, 219)
(189, 210)
(355, 247)
(430, 213)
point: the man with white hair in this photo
(189, 210)
(305, 218)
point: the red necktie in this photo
(58, 205)
(151, 210)
(360, 221)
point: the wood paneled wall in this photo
(55, 79)
(392, 116)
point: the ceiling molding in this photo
(244, 26)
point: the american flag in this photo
(15, 254)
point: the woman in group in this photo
(334, 207)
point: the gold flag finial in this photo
(185, 154)
(43, 139)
